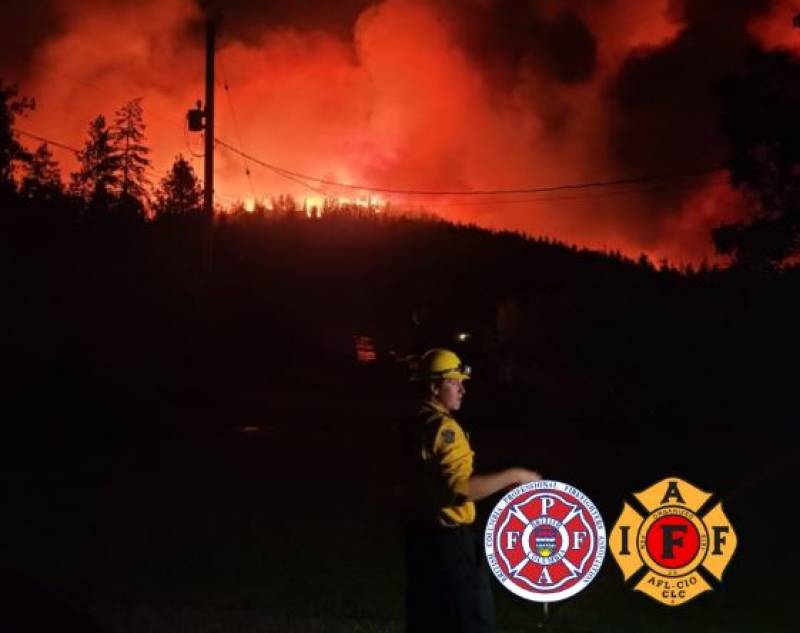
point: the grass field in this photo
(294, 527)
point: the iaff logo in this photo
(545, 541)
(674, 541)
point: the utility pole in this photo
(208, 178)
(201, 119)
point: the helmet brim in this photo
(455, 374)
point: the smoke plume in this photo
(425, 95)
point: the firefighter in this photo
(448, 586)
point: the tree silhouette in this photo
(760, 118)
(179, 192)
(285, 205)
(11, 152)
(97, 180)
(127, 137)
(42, 181)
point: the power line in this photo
(298, 181)
(473, 192)
(86, 84)
(236, 125)
(603, 194)
(302, 179)
(47, 140)
(188, 142)
(587, 196)
(289, 176)
(149, 170)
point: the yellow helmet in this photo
(441, 363)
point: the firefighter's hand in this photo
(524, 476)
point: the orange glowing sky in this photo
(422, 94)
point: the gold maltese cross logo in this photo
(680, 546)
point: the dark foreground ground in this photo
(198, 524)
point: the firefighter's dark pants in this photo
(448, 585)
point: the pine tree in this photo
(42, 181)
(128, 137)
(12, 154)
(97, 180)
(179, 192)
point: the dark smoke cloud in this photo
(513, 37)
(662, 103)
(247, 20)
(732, 13)
(24, 28)
(29, 25)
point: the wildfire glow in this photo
(320, 203)
(401, 99)
(314, 202)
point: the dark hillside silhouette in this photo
(637, 345)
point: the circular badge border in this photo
(597, 520)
